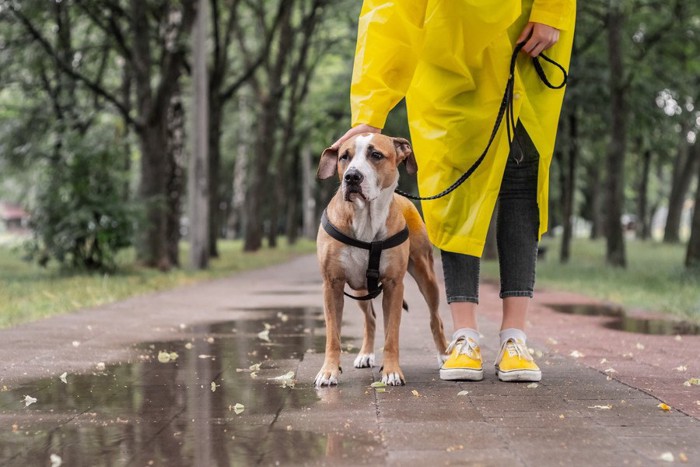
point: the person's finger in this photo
(538, 49)
(531, 45)
(527, 30)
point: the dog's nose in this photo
(353, 176)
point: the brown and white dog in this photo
(366, 208)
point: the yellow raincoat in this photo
(450, 59)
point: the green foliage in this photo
(81, 218)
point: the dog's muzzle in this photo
(352, 183)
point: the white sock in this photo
(512, 333)
(466, 333)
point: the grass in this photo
(29, 292)
(654, 279)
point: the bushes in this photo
(82, 216)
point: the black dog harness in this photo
(375, 253)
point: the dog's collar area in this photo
(374, 288)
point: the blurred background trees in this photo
(95, 133)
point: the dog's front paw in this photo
(328, 376)
(364, 360)
(393, 377)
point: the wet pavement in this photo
(221, 374)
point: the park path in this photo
(121, 404)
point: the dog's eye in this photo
(376, 155)
(344, 156)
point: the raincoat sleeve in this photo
(389, 38)
(555, 13)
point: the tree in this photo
(151, 40)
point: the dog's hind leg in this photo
(421, 268)
(365, 359)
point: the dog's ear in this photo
(328, 164)
(405, 153)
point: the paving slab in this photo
(200, 375)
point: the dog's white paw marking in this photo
(326, 378)
(392, 379)
(364, 360)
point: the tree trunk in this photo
(615, 163)
(569, 188)
(198, 173)
(175, 175)
(643, 216)
(308, 202)
(215, 123)
(236, 223)
(152, 247)
(692, 257)
(683, 170)
(595, 200)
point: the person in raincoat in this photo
(450, 60)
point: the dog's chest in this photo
(355, 262)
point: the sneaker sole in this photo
(461, 374)
(520, 375)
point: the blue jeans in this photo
(517, 226)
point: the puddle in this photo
(623, 322)
(588, 310)
(152, 413)
(659, 327)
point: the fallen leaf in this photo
(189, 346)
(378, 384)
(532, 385)
(29, 400)
(610, 370)
(379, 389)
(286, 379)
(639, 346)
(462, 393)
(692, 382)
(562, 416)
(163, 357)
(576, 354)
(681, 368)
(552, 341)
(255, 367)
(76, 343)
(210, 340)
(664, 407)
(238, 408)
(667, 457)
(64, 378)
(214, 386)
(173, 356)
(628, 355)
(601, 407)
(604, 360)
(678, 337)
(268, 326)
(415, 393)
(205, 356)
(264, 335)
(56, 460)
(682, 457)
(100, 366)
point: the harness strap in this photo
(375, 253)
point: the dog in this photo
(366, 208)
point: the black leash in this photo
(506, 109)
(375, 253)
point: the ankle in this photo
(512, 333)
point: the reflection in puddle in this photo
(152, 413)
(623, 322)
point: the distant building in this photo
(13, 218)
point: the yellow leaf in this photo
(378, 384)
(415, 393)
(664, 407)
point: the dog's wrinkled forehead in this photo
(366, 143)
